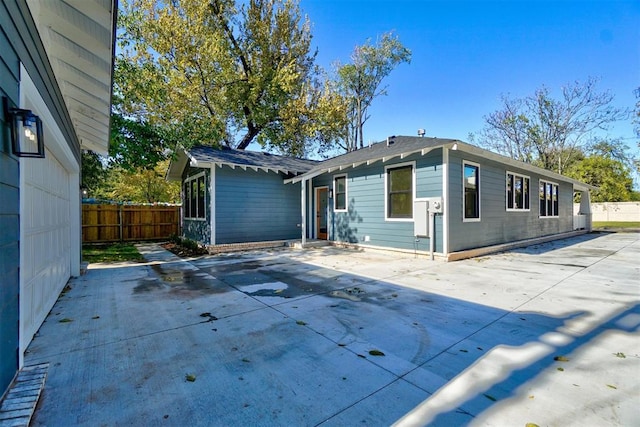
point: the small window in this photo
(399, 186)
(517, 192)
(194, 197)
(471, 176)
(548, 199)
(340, 193)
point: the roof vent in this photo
(421, 132)
(390, 140)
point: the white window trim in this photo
(538, 198)
(506, 202)
(386, 192)
(464, 219)
(195, 178)
(346, 193)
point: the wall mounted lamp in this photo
(331, 194)
(26, 131)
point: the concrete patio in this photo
(547, 334)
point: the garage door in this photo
(45, 252)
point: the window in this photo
(548, 199)
(340, 193)
(399, 189)
(471, 176)
(194, 197)
(518, 198)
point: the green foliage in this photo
(135, 144)
(611, 176)
(93, 171)
(359, 82)
(140, 185)
(216, 72)
(551, 133)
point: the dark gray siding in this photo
(255, 206)
(9, 217)
(366, 204)
(198, 230)
(497, 225)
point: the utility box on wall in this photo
(421, 218)
(421, 210)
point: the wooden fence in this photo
(118, 223)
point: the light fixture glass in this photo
(26, 131)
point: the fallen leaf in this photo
(190, 377)
(490, 397)
(65, 320)
(245, 360)
(612, 386)
(376, 353)
(464, 351)
(95, 317)
(300, 322)
(561, 359)
(531, 425)
(560, 369)
(620, 355)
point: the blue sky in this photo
(467, 53)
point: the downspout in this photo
(303, 209)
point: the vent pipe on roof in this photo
(421, 132)
(390, 140)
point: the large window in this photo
(518, 198)
(399, 189)
(194, 197)
(340, 193)
(471, 177)
(548, 199)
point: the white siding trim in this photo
(386, 191)
(445, 196)
(212, 204)
(478, 186)
(346, 193)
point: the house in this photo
(56, 61)
(234, 196)
(431, 196)
(437, 196)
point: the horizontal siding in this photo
(497, 225)
(366, 204)
(255, 206)
(9, 214)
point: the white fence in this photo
(613, 211)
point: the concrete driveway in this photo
(547, 335)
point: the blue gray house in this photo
(234, 196)
(56, 61)
(425, 195)
(437, 196)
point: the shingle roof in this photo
(394, 146)
(203, 156)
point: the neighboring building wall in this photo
(198, 230)
(497, 225)
(364, 222)
(255, 206)
(9, 216)
(613, 211)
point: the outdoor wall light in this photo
(26, 131)
(331, 194)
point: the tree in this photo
(359, 82)
(141, 185)
(135, 143)
(611, 176)
(550, 133)
(93, 173)
(216, 73)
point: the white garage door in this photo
(45, 252)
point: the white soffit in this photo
(78, 36)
